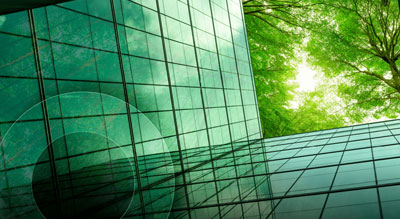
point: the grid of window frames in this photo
(351, 171)
(162, 84)
(324, 174)
(337, 173)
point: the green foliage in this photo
(359, 42)
(275, 34)
(355, 42)
(271, 49)
(317, 112)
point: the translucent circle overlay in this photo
(91, 190)
(90, 168)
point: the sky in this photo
(306, 79)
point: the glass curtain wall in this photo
(144, 106)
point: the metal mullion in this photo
(375, 176)
(339, 131)
(294, 170)
(265, 157)
(269, 176)
(190, 169)
(333, 180)
(298, 178)
(327, 144)
(172, 104)
(154, 90)
(390, 130)
(241, 95)
(46, 121)
(330, 152)
(224, 187)
(289, 158)
(98, 84)
(253, 83)
(285, 197)
(204, 108)
(163, 165)
(128, 110)
(61, 112)
(272, 173)
(15, 34)
(233, 207)
(138, 158)
(224, 95)
(251, 176)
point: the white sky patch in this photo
(268, 10)
(388, 75)
(307, 79)
(294, 104)
(372, 119)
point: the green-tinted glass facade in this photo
(133, 105)
(350, 172)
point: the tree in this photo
(316, 112)
(358, 41)
(277, 14)
(275, 33)
(271, 49)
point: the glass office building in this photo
(147, 109)
(97, 91)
